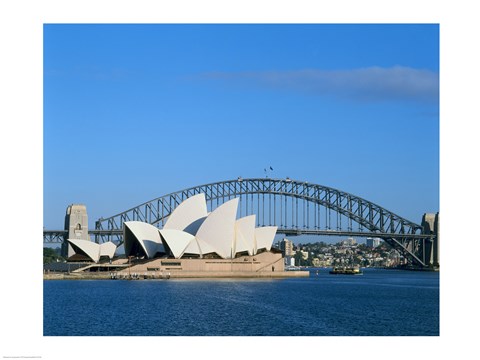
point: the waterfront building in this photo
(191, 232)
(195, 241)
(373, 242)
(192, 243)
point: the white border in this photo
(21, 149)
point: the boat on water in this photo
(346, 270)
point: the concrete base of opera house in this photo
(263, 265)
(177, 275)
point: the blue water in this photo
(381, 302)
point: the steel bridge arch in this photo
(288, 206)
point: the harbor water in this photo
(377, 303)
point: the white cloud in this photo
(365, 84)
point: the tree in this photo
(299, 259)
(50, 255)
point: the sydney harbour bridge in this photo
(295, 207)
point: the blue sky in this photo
(133, 112)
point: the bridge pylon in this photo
(430, 225)
(76, 226)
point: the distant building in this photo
(349, 242)
(287, 247)
(287, 251)
(373, 242)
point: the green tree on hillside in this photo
(51, 255)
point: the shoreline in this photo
(177, 275)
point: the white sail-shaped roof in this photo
(204, 247)
(245, 235)
(187, 213)
(264, 237)
(108, 249)
(218, 229)
(147, 236)
(192, 248)
(87, 248)
(190, 229)
(177, 241)
(194, 226)
(93, 250)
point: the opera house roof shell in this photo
(93, 250)
(191, 231)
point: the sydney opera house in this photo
(194, 241)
